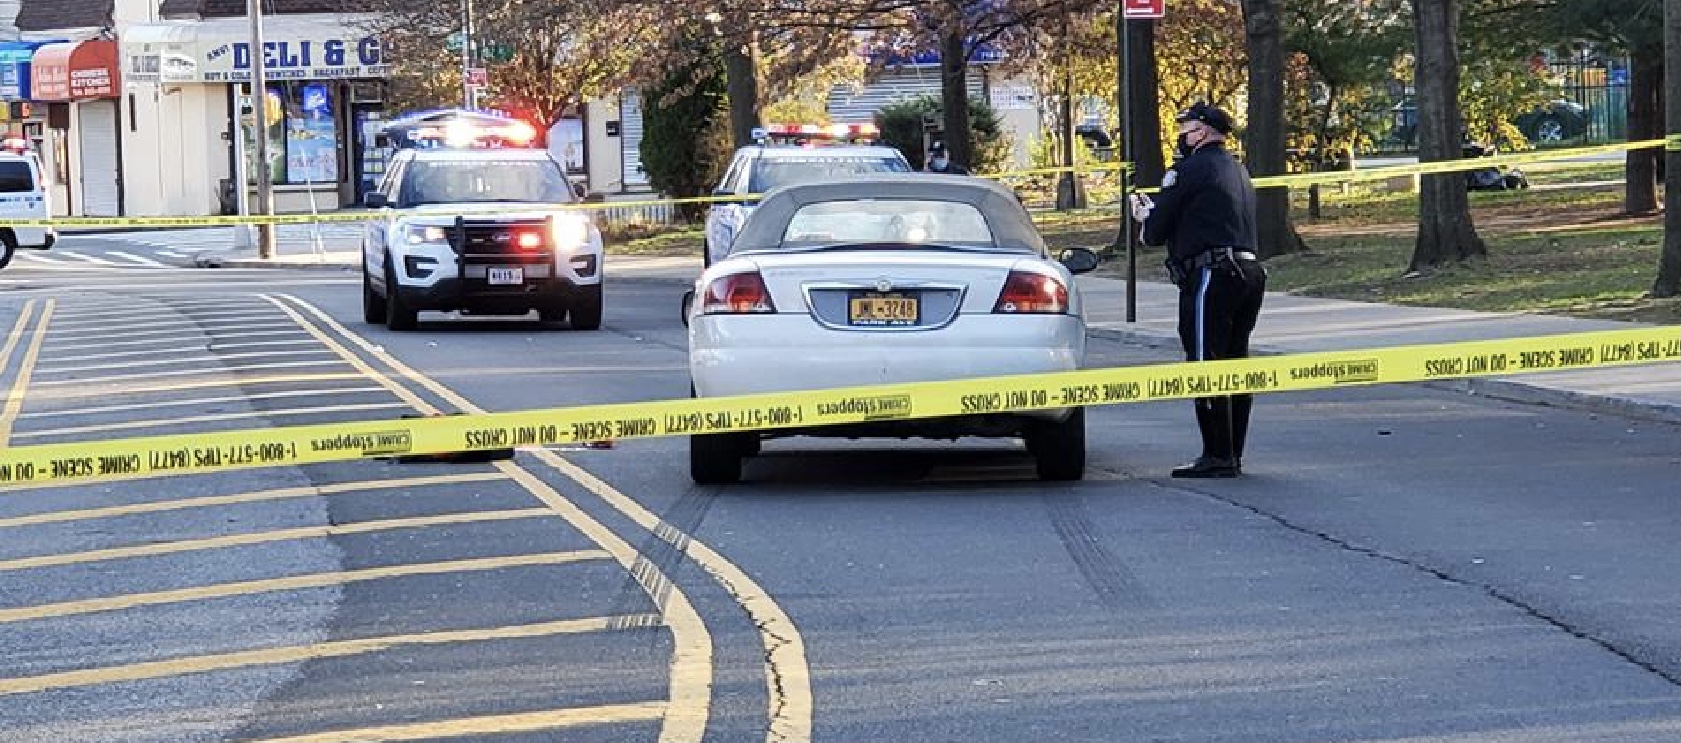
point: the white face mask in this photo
(940, 162)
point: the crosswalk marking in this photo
(136, 259)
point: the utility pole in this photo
(1122, 26)
(467, 101)
(259, 109)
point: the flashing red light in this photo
(15, 144)
(529, 240)
(519, 132)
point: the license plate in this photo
(882, 309)
(506, 275)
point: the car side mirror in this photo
(375, 200)
(1078, 260)
(579, 191)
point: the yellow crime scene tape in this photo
(81, 461)
(1297, 180)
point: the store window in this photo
(303, 133)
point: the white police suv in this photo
(786, 154)
(472, 219)
(23, 195)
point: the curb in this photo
(217, 260)
(1505, 390)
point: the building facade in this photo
(142, 108)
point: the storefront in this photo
(79, 82)
(323, 104)
(19, 117)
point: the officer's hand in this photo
(1141, 206)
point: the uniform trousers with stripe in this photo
(1218, 307)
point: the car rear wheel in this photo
(373, 305)
(8, 247)
(398, 316)
(715, 458)
(1059, 448)
(1549, 129)
(586, 311)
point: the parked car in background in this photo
(1554, 121)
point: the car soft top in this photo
(1011, 225)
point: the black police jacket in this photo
(1206, 202)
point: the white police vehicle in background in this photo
(23, 195)
(787, 154)
(475, 220)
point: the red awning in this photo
(75, 71)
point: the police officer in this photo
(1205, 214)
(939, 161)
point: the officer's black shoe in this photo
(1208, 467)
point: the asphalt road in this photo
(1401, 563)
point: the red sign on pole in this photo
(1144, 8)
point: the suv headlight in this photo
(570, 233)
(417, 234)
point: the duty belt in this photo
(1209, 257)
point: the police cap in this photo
(1210, 115)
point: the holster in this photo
(1176, 271)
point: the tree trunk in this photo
(1668, 283)
(954, 95)
(741, 71)
(1263, 142)
(1645, 121)
(1146, 124)
(1445, 230)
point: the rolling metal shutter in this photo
(97, 138)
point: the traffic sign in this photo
(478, 76)
(1144, 8)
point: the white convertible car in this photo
(889, 278)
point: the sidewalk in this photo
(1291, 324)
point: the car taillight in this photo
(1026, 292)
(529, 240)
(735, 294)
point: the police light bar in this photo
(458, 129)
(17, 145)
(820, 131)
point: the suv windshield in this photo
(773, 172)
(470, 181)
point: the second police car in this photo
(23, 195)
(786, 154)
(475, 220)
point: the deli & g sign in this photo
(296, 59)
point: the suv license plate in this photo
(505, 275)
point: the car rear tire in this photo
(398, 316)
(373, 305)
(715, 458)
(1059, 449)
(586, 311)
(8, 247)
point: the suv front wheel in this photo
(373, 305)
(585, 310)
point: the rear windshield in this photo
(908, 223)
(16, 177)
(774, 172)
